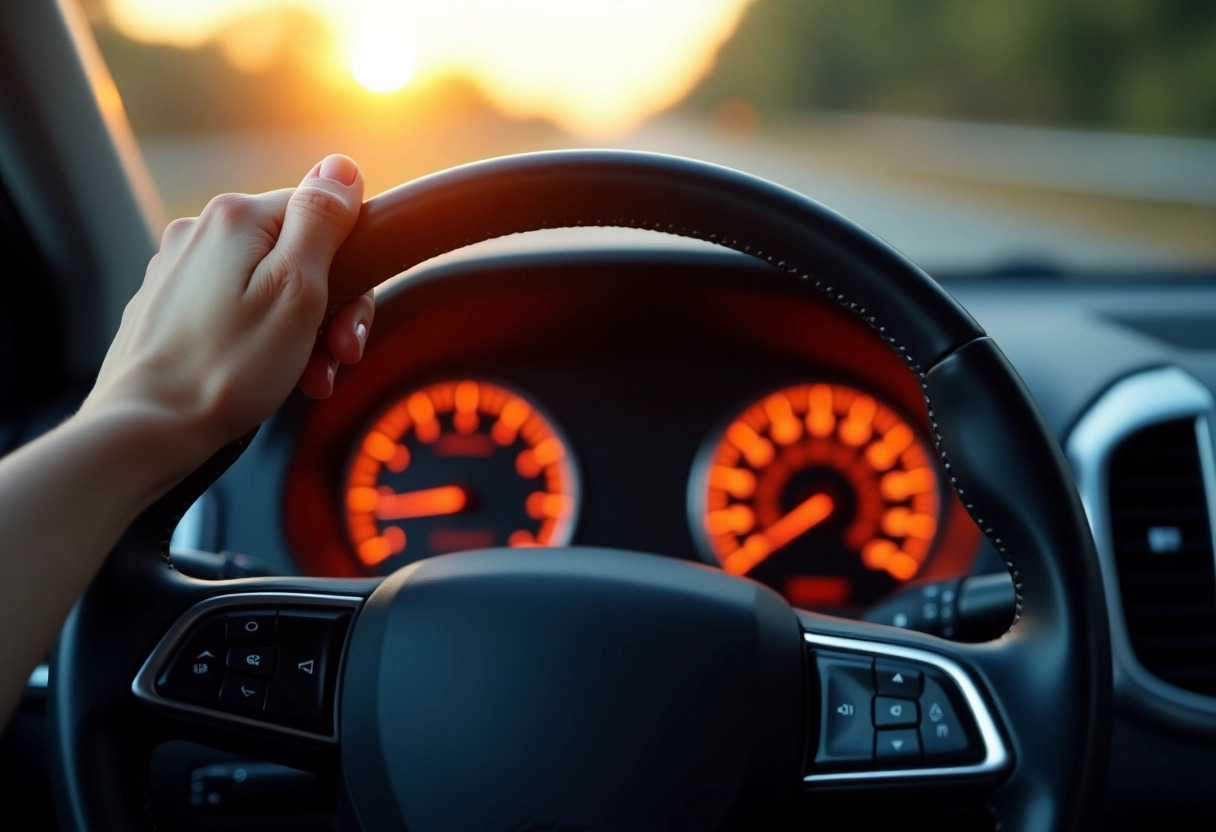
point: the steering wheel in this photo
(589, 689)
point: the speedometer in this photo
(457, 465)
(822, 491)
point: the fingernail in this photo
(339, 168)
(329, 372)
(361, 333)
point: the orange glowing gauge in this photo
(458, 465)
(821, 491)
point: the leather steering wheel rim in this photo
(1050, 673)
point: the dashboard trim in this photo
(144, 684)
(996, 755)
(39, 680)
(1138, 401)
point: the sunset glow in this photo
(382, 63)
(590, 67)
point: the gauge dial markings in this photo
(457, 465)
(819, 486)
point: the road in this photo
(952, 197)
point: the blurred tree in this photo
(167, 89)
(1123, 64)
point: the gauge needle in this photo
(808, 514)
(429, 502)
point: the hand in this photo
(226, 321)
(223, 327)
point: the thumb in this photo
(319, 215)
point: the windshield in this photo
(1019, 136)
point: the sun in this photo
(381, 62)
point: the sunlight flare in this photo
(381, 62)
(592, 68)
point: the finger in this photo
(317, 380)
(236, 213)
(319, 215)
(252, 219)
(348, 331)
(234, 232)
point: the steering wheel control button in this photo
(902, 746)
(242, 694)
(264, 659)
(846, 687)
(301, 691)
(896, 679)
(196, 671)
(941, 730)
(251, 627)
(894, 713)
(252, 661)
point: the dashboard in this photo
(691, 405)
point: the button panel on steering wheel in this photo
(924, 724)
(884, 712)
(271, 658)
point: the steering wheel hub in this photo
(587, 688)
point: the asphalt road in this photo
(952, 197)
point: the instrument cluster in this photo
(820, 490)
(772, 438)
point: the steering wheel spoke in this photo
(205, 661)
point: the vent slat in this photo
(1186, 609)
(1138, 546)
(1162, 539)
(1175, 642)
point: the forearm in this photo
(222, 329)
(65, 499)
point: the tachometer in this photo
(458, 465)
(821, 491)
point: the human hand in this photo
(226, 321)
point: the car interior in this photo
(664, 498)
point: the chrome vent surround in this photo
(1161, 538)
(1145, 466)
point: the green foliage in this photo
(1122, 64)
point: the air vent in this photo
(1162, 541)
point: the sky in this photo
(595, 68)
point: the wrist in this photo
(153, 448)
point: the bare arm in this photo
(224, 326)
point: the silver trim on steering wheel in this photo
(996, 757)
